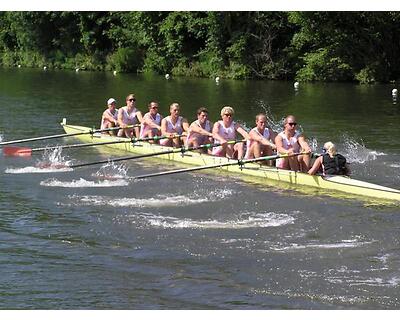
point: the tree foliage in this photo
(307, 46)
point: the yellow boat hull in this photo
(339, 184)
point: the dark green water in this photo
(194, 241)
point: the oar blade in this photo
(17, 151)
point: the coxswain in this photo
(330, 162)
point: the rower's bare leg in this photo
(304, 161)
(239, 148)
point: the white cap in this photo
(110, 101)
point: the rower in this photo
(109, 119)
(261, 140)
(225, 130)
(127, 116)
(200, 130)
(173, 125)
(151, 123)
(290, 141)
(330, 162)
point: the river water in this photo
(70, 240)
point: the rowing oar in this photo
(63, 135)
(22, 151)
(219, 165)
(175, 150)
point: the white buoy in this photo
(114, 73)
(167, 76)
(44, 68)
(77, 70)
(296, 85)
(217, 79)
(19, 66)
(394, 92)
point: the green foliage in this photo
(320, 66)
(124, 59)
(311, 46)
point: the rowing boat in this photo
(341, 184)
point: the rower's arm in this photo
(242, 132)
(148, 121)
(303, 144)
(215, 133)
(279, 146)
(194, 127)
(185, 125)
(139, 116)
(120, 119)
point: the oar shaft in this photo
(217, 165)
(62, 135)
(95, 144)
(177, 150)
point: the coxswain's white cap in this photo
(110, 101)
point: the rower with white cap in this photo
(109, 118)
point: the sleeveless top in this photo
(207, 127)
(335, 165)
(265, 135)
(290, 143)
(174, 128)
(129, 118)
(228, 133)
(104, 121)
(144, 127)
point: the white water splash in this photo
(111, 170)
(82, 183)
(245, 220)
(37, 170)
(53, 158)
(352, 243)
(357, 152)
(159, 202)
(1, 137)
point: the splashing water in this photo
(112, 171)
(1, 137)
(357, 152)
(52, 158)
(275, 125)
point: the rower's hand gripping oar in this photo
(169, 151)
(22, 151)
(218, 165)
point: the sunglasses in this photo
(292, 124)
(154, 108)
(227, 115)
(132, 99)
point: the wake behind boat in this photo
(339, 184)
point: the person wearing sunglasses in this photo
(225, 130)
(151, 123)
(127, 116)
(289, 142)
(174, 127)
(261, 140)
(330, 162)
(109, 118)
(200, 130)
